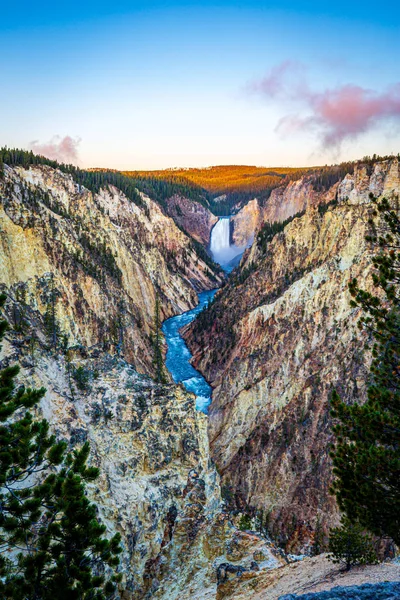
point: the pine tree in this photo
(51, 542)
(319, 538)
(350, 545)
(158, 360)
(50, 316)
(366, 457)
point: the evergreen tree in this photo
(350, 545)
(50, 316)
(366, 457)
(51, 542)
(158, 360)
(245, 522)
(319, 539)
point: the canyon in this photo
(269, 422)
(174, 481)
(106, 257)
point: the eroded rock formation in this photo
(192, 217)
(278, 337)
(157, 485)
(105, 256)
(86, 268)
(285, 201)
(245, 223)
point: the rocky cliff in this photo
(157, 485)
(101, 258)
(192, 217)
(284, 202)
(275, 341)
(245, 223)
(88, 268)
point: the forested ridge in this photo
(230, 186)
(227, 185)
(219, 188)
(94, 179)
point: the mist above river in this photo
(223, 252)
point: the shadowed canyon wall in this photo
(192, 217)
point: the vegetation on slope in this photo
(228, 186)
(218, 188)
(366, 456)
(52, 544)
(157, 189)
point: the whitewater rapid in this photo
(178, 354)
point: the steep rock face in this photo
(157, 485)
(276, 340)
(192, 217)
(245, 223)
(103, 257)
(380, 179)
(284, 202)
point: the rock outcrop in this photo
(102, 257)
(192, 217)
(294, 198)
(276, 340)
(284, 202)
(245, 223)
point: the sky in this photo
(150, 85)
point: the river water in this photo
(178, 354)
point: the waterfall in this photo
(222, 251)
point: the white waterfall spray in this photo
(222, 251)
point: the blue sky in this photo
(164, 84)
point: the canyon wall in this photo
(157, 487)
(284, 202)
(92, 265)
(245, 223)
(278, 337)
(103, 257)
(192, 217)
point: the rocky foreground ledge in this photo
(380, 591)
(316, 578)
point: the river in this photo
(178, 354)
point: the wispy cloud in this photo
(335, 114)
(64, 149)
(283, 81)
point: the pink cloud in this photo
(64, 150)
(336, 114)
(277, 82)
